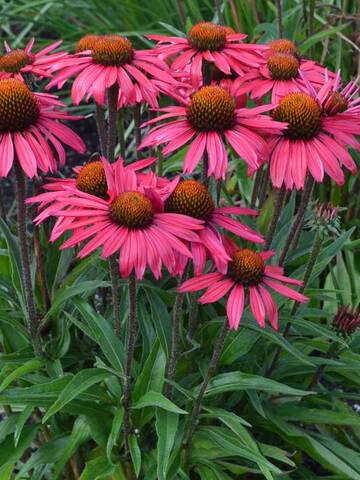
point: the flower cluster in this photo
(302, 124)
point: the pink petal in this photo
(235, 306)
(257, 306)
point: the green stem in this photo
(299, 219)
(256, 187)
(194, 420)
(129, 358)
(175, 338)
(279, 198)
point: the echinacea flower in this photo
(17, 63)
(281, 74)
(101, 61)
(204, 120)
(247, 273)
(212, 43)
(97, 177)
(321, 125)
(282, 45)
(131, 223)
(192, 198)
(29, 126)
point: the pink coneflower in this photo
(247, 273)
(17, 63)
(320, 127)
(212, 43)
(131, 222)
(28, 126)
(103, 61)
(97, 178)
(192, 198)
(281, 74)
(205, 119)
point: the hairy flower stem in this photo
(121, 133)
(39, 260)
(2, 206)
(299, 219)
(309, 269)
(114, 275)
(263, 188)
(110, 149)
(101, 128)
(205, 167)
(137, 122)
(256, 188)
(279, 199)
(192, 324)
(112, 92)
(175, 337)
(218, 348)
(129, 358)
(25, 258)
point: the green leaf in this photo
(96, 469)
(156, 399)
(82, 288)
(301, 439)
(47, 454)
(78, 384)
(103, 334)
(15, 262)
(9, 453)
(115, 430)
(314, 39)
(166, 427)
(80, 434)
(135, 453)
(152, 374)
(30, 366)
(23, 417)
(237, 381)
(313, 416)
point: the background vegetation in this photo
(61, 413)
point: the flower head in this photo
(281, 72)
(207, 118)
(101, 61)
(192, 198)
(17, 63)
(247, 273)
(28, 125)
(321, 125)
(130, 222)
(208, 42)
(346, 320)
(283, 45)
